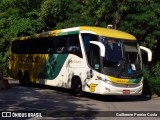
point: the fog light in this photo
(141, 82)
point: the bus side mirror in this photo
(101, 46)
(148, 51)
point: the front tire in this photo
(76, 87)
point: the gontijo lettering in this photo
(30, 59)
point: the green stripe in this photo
(53, 66)
(135, 80)
(68, 33)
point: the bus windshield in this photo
(122, 58)
(114, 52)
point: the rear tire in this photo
(76, 87)
(26, 79)
(20, 78)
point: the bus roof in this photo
(82, 29)
(109, 32)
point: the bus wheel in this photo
(26, 79)
(76, 87)
(20, 78)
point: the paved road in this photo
(53, 103)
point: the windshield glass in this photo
(114, 51)
(131, 52)
(122, 58)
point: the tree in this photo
(17, 18)
(59, 14)
(27, 17)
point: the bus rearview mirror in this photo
(101, 46)
(148, 51)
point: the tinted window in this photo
(95, 57)
(33, 46)
(86, 39)
(61, 44)
(74, 45)
(49, 45)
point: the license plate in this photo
(126, 92)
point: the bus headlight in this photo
(104, 80)
(141, 82)
(109, 82)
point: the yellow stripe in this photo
(119, 80)
(55, 32)
(109, 32)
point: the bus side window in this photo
(74, 45)
(86, 41)
(60, 49)
(73, 49)
(60, 44)
(16, 47)
(94, 57)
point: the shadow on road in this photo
(51, 102)
(104, 98)
(114, 98)
(54, 102)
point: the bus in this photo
(83, 59)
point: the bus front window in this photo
(114, 52)
(122, 58)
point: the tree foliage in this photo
(26, 17)
(17, 18)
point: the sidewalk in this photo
(3, 81)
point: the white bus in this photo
(83, 59)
